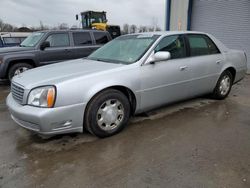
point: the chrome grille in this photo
(17, 92)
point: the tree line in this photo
(126, 29)
(6, 27)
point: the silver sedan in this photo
(129, 75)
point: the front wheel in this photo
(18, 68)
(107, 114)
(223, 86)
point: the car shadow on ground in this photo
(53, 143)
(72, 139)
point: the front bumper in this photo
(47, 121)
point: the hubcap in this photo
(225, 85)
(20, 70)
(110, 114)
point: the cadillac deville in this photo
(129, 75)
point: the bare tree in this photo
(5, 27)
(151, 28)
(63, 26)
(154, 23)
(158, 28)
(125, 29)
(74, 27)
(41, 25)
(142, 29)
(132, 29)
(1, 25)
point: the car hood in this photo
(14, 49)
(56, 73)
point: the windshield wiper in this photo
(108, 60)
(97, 59)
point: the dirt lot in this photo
(197, 143)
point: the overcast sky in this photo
(53, 12)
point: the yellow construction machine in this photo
(98, 20)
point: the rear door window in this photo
(201, 45)
(82, 38)
(101, 37)
(198, 45)
(213, 49)
(58, 40)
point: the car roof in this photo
(165, 33)
(72, 30)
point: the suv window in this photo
(82, 38)
(201, 45)
(101, 38)
(11, 40)
(1, 42)
(173, 44)
(58, 40)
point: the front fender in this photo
(7, 59)
(82, 90)
(100, 87)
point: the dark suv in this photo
(46, 47)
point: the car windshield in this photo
(32, 40)
(125, 49)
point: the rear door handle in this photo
(183, 68)
(218, 61)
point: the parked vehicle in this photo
(47, 47)
(98, 20)
(8, 39)
(129, 75)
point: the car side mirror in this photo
(44, 45)
(159, 56)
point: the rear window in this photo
(101, 38)
(11, 40)
(82, 38)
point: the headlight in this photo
(42, 97)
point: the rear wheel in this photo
(107, 114)
(18, 68)
(223, 86)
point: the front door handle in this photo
(183, 68)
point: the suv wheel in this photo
(107, 114)
(18, 69)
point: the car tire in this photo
(107, 113)
(18, 67)
(223, 86)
